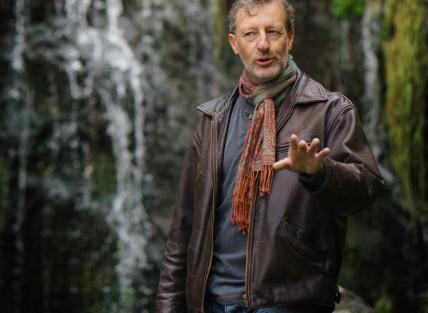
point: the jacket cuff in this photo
(314, 183)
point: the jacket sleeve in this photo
(172, 284)
(352, 178)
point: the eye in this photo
(273, 33)
(250, 35)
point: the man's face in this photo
(262, 41)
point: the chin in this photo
(266, 76)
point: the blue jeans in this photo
(212, 306)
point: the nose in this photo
(263, 43)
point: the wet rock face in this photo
(76, 228)
(328, 48)
(88, 88)
(314, 41)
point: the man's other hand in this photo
(302, 157)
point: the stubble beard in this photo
(262, 75)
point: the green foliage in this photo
(102, 175)
(224, 56)
(348, 9)
(425, 302)
(405, 107)
(383, 305)
(220, 9)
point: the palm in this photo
(303, 157)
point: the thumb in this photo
(281, 164)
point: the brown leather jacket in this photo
(296, 237)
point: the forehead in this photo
(269, 14)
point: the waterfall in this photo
(20, 94)
(114, 74)
(370, 32)
(81, 71)
(107, 48)
(372, 86)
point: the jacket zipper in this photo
(214, 182)
(216, 164)
(247, 292)
(246, 295)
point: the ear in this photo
(232, 42)
(290, 39)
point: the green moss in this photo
(102, 176)
(348, 9)
(424, 302)
(405, 107)
(220, 9)
(224, 56)
(383, 305)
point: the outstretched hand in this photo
(302, 157)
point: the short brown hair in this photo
(248, 4)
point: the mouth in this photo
(264, 62)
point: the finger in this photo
(282, 164)
(322, 154)
(294, 141)
(313, 147)
(303, 146)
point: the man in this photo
(273, 171)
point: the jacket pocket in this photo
(283, 146)
(306, 252)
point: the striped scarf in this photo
(258, 153)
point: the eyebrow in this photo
(276, 25)
(249, 27)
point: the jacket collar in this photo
(305, 90)
(219, 105)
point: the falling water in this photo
(129, 163)
(102, 61)
(20, 94)
(108, 49)
(370, 31)
(372, 86)
(343, 55)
